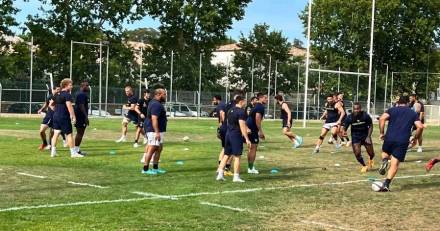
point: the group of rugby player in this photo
(61, 114)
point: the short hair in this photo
(403, 99)
(238, 92)
(157, 91)
(260, 94)
(217, 97)
(239, 98)
(128, 88)
(339, 93)
(84, 82)
(65, 82)
(279, 97)
(414, 95)
(145, 91)
(253, 98)
(330, 95)
(357, 104)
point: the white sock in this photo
(53, 149)
(317, 147)
(72, 151)
(221, 173)
(236, 176)
(76, 149)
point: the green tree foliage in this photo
(189, 28)
(405, 32)
(259, 46)
(145, 35)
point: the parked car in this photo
(94, 111)
(179, 109)
(23, 108)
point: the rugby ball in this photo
(376, 186)
(186, 138)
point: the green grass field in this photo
(310, 192)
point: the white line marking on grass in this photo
(27, 174)
(218, 192)
(76, 204)
(155, 195)
(224, 206)
(86, 184)
(327, 225)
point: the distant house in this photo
(225, 54)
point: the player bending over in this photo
(333, 117)
(286, 117)
(236, 131)
(361, 130)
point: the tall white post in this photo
(106, 78)
(140, 74)
(171, 77)
(357, 89)
(200, 84)
(373, 11)
(297, 92)
(319, 89)
(275, 88)
(392, 86)
(252, 76)
(375, 84)
(339, 78)
(71, 59)
(306, 83)
(386, 88)
(100, 77)
(31, 73)
(268, 85)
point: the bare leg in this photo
(138, 134)
(358, 153)
(124, 128)
(252, 154)
(236, 165)
(321, 137)
(43, 129)
(79, 136)
(287, 132)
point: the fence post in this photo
(1, 91)
(91, 100)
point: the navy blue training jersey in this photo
(360, 124)
(235, 114)
(132, 100)
(157, 109)
(81, 98)
(220, 107)
(60, 104)
(332, 113)
(400, 123)
(251, 121)
(284, 115)
(49, 111)
(143, 106)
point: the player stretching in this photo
(234, 139)
(400, 121)
(131, 115)
(63, 118)
(333, 114)
(155, 127)
(254, 122)
(81, 113)
(419, 108)
(287, 119)
(344, 138)
(361, 130)
(47, 120)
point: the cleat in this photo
(337, 146)
(149, 172)
(330, 140)
(228, 173)
(135, 145)
(253, 171)
(315, 151)
(370, 164)
(159, 171)
(299, 141)
(48, 147)
(220, 177)
(65, 144)
(238, 180)
(348, 144)
(364, 169)
(385, 188)
(383, 167)
(121, 140)
(42, 147)
(82, 153)
(419, 149)
(430, 165)
(76, 155)
(53, 154)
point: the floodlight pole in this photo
(30, 76)
(100, 77)
(297, 92)
(140, 74)
(275, 88)
(391, 91)
(373, 10)
(252, 76)
(319, 88)
(309, 21)
(268, 84)
(200, 84)
(171, 76)
(386, 88)
(339, 77)
(71, 58)
(106, 79)
(357, 88)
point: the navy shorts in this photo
(221, 132)
(359, 140)
(81, 122)
(133, 118)
(254, 137)
(233, 144)
(396, 149)
(48, 120)
(63, 124)
(285, 123)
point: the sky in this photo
(281, 15)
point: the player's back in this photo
(401, 121)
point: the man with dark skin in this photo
(81, 113)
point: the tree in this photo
(145, 35)
(261, 45)
(405, 30)
(189, 28)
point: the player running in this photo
(254, 123)
(131, 115)
(333, 117)
(155, 128)
(63, 118)
(286, 117)
(81, 114)
(400, 121)
(236, 131)
(141, 110)
(361, 130)
(344, 138)
(47, 120)
(419, 108)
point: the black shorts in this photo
(396, 149)
(254, 137)
(81, 122)
(221, 133)
(359, 140)
(48, 120)
(284, 125)
(233, 144)
(133, 118)
(62, 124)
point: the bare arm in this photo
(286, 108)
(258, 121)
(341, 113)
(323, 115)
(71, 112)
(222, 117)
(383, 118)
(138, 111)
(45, 105)
(244, 129)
